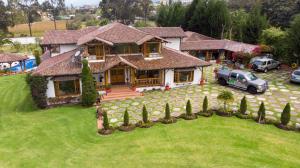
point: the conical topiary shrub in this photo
(126, 124)
(205, 105)
(168, 119)
(286, 115)
(145, 123)
(188, 112)
(261, 114)
(106, 128)
(243, 106)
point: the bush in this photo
(188, 115)
(37, 55)
(168, 118)
(145, 115)
(286, 115)
(106, 130)
(243, 106)
(92, 22)
(38, 88)
(89, 93)
(226, 97)
(145, 123)
(73, 25)
(205, 105)
(261, 114)
(126, 125)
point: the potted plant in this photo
(167, 87)
(133, 87)
(108, 88)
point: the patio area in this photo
(279, 93)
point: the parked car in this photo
(270, 56)
(265, 64)
(295, 76)
(242, 80)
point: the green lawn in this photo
(66, 137)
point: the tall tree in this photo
(4, 17)
(256, 22)
(55, 7)
(294, 39)
(280, 12)
(89, 93)
(171, 15)
(146, 6)
(189, 13)
(30, 9)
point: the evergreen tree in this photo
(105, 121)
(294, 42)
(89, 93)
(36, 54)
(188, 108)
(286, 114)
(261, 113)
(171, 15)
(205, 105)
(243, 106)
(189, 13)
(167, 111)
(256, 22)
(145, 115)
(126, 118)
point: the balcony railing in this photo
(148, 82)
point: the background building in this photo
(167, 2)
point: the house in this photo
(208, 48)
(117, 55)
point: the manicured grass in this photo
(38, 28)
(66, 137)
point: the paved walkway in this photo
(280, 92)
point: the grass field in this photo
(38, 28)
(66, 137)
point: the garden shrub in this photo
(286, 115)
(243, 106)
(168, 118)
(205, 105)
(226, 97)
(106, 130)
(188, 114)
(261, 114)
(145, 114)
(37, 56)
(145, 123)
(126, 124)
(89, 93)
(38, 88)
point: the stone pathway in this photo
(280, 92)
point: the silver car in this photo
(295, 77)
(265, 64)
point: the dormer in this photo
(95, 51)
(152, 49)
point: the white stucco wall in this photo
(197, 76)
(169, 77)
(66, 48)
(173, 43)
(50, 89)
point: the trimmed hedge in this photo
(38, 88)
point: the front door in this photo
(117, 75)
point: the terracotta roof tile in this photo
(165, 32)
(10, 57)
(193, 36)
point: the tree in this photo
(171, 15)
(294, 39)
(126, 118)
(261, 114)
(256, 22)
(189, 13)
(237, 24)
(168, 113)
(145, 115)
(205, 105)
(54, 7)
(146, 6)
(277, 39)
(188, 108)
(286, 115)
(241, 4)
(37, 55)
(89, 93)
(280, 12)
(4, 18)
(226, 97)
(211, 18)
(30, 9)
(38, 88)
(105, 121)
(243, 106)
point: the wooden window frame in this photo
(76, 84)
(177, 76)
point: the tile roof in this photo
(218, 45)
(165, 32)
(59, 65)
(10, 57)
(63, 65)
(193, 36)
(65, 36)
(115, 33)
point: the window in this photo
(126, 49)
(147, 74)
(96, 50)
(234, 75)
(55, 48)
(183, 76)
(153, 47)
(67, 88)
(241, 78)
